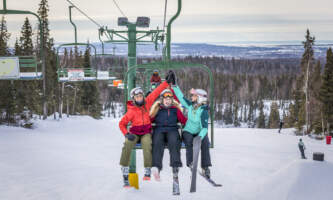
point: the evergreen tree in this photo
(250, 117)
(228, 114)
(90, 93)
(26, 38)
(261, 119)
(299, 107)
(236, 117)
(274, 117)
(7, 105)
(50, 83)
(315, 104)
(17, 48)
(307, 68)
(326, 91)
(301, 118)
(4, 37)
(29, 90)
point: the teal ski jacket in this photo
(197, 117)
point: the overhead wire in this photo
(97, 24)
(165, 11)
(114, 1)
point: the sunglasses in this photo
(167, 95)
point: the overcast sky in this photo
(200, 20)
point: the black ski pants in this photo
(301, 149)
(205, 154)
(172, 139)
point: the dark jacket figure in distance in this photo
(166, 113)
(301, 147)
(280, 125)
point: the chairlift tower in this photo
(132, 36)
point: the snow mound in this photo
(301, 179)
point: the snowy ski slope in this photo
(77, 158)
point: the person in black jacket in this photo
(280, 126)
(166, 113)
(301, 147)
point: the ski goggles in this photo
(193, 92)
(167, 94)
(137, 91)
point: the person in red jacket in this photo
(140, 129)
(155, 78)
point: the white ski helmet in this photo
(166, 91)
(202, 95)
(136, 91)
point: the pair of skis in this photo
(175, 182)
(196, 151)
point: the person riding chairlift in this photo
(155, 78)
(140, 128)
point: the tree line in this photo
(299, 90)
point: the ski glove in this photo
(171, 78)
(130, 136)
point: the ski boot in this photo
(125, 171)
(206, 172)
(156, 173)
(147, 174)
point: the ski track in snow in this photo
(78, 158)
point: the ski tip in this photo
(146, 178)
(176, 193)
(127, 186)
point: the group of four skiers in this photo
(162, 107)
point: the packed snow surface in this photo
(78, 158)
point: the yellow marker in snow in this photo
(133, 179)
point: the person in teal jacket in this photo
(196, 126)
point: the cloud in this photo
(199, 21)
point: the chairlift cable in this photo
(114, 1)
(165, 10)
(93, 21)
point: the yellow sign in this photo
(9, 68)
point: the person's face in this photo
(167, 101)
(138, 97)
(194, 97)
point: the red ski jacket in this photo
(139, 115)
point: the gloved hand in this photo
(170, 78)
(130, 136)
(173, 78)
